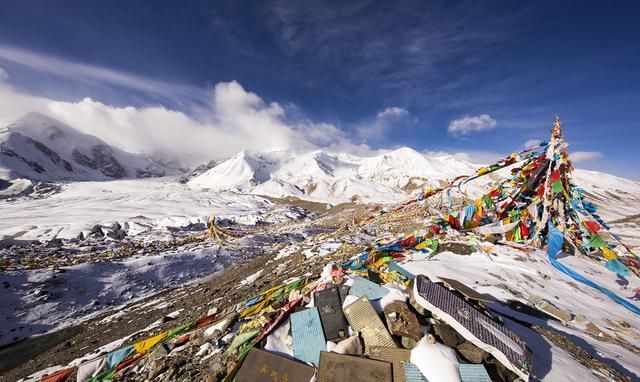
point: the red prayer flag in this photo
(129, 362)
(592, 227)
(555, 175)
(59, 376)
(408, 242)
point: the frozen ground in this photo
(38, 301)
(145, 204)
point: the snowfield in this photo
(143, 204)
(38, 301)
(511, 274)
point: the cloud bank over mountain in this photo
(236, 119)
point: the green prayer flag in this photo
(103, 376)
(180, 329)
(596, 242)
(556, 186)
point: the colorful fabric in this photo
(555, 244)
(242, 338)
(115, 357)
(147, 344)
(90, 369)
(592, 227)
(616, 266)
(59, 376)
(428, 245)
(106, 375)
(596, 242)
(180, 329)
(608, 253)
(130, 362)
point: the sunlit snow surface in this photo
(145, 203)
(515, 275)
(37, 301)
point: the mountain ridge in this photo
(42, 148)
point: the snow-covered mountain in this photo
(42, 148)
(389, 177)
(332, 177)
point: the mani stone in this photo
(401, 321)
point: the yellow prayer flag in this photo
(147, 344)
(608, 253)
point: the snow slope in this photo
(143, 204)
(390, 177)
(42, 148)
(38, 301)
(513, 275)
(332, 177)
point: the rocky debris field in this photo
(221, 318)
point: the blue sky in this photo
(481, 77)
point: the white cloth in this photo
(90, 369)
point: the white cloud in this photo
(531, 143)
(3, 75)
(382, 124)
(469, 124)
(476, 157)
(235, 120)
(584, 156)
(393, 112)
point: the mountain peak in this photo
(40, 147)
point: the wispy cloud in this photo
(531, 143)
(471, 124)
(384, 121)
(584, 156)
(3, 75)
(97, 75)
(412, 49)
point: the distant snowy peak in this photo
(42, 148)
(241, 172)
(389, 177)
(326, 176)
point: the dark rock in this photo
(401, 321)
(54, 243)
(471, 352)
(97, 229)
(456, 247)
(84, 160)
(107, 162)
(448, 335)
